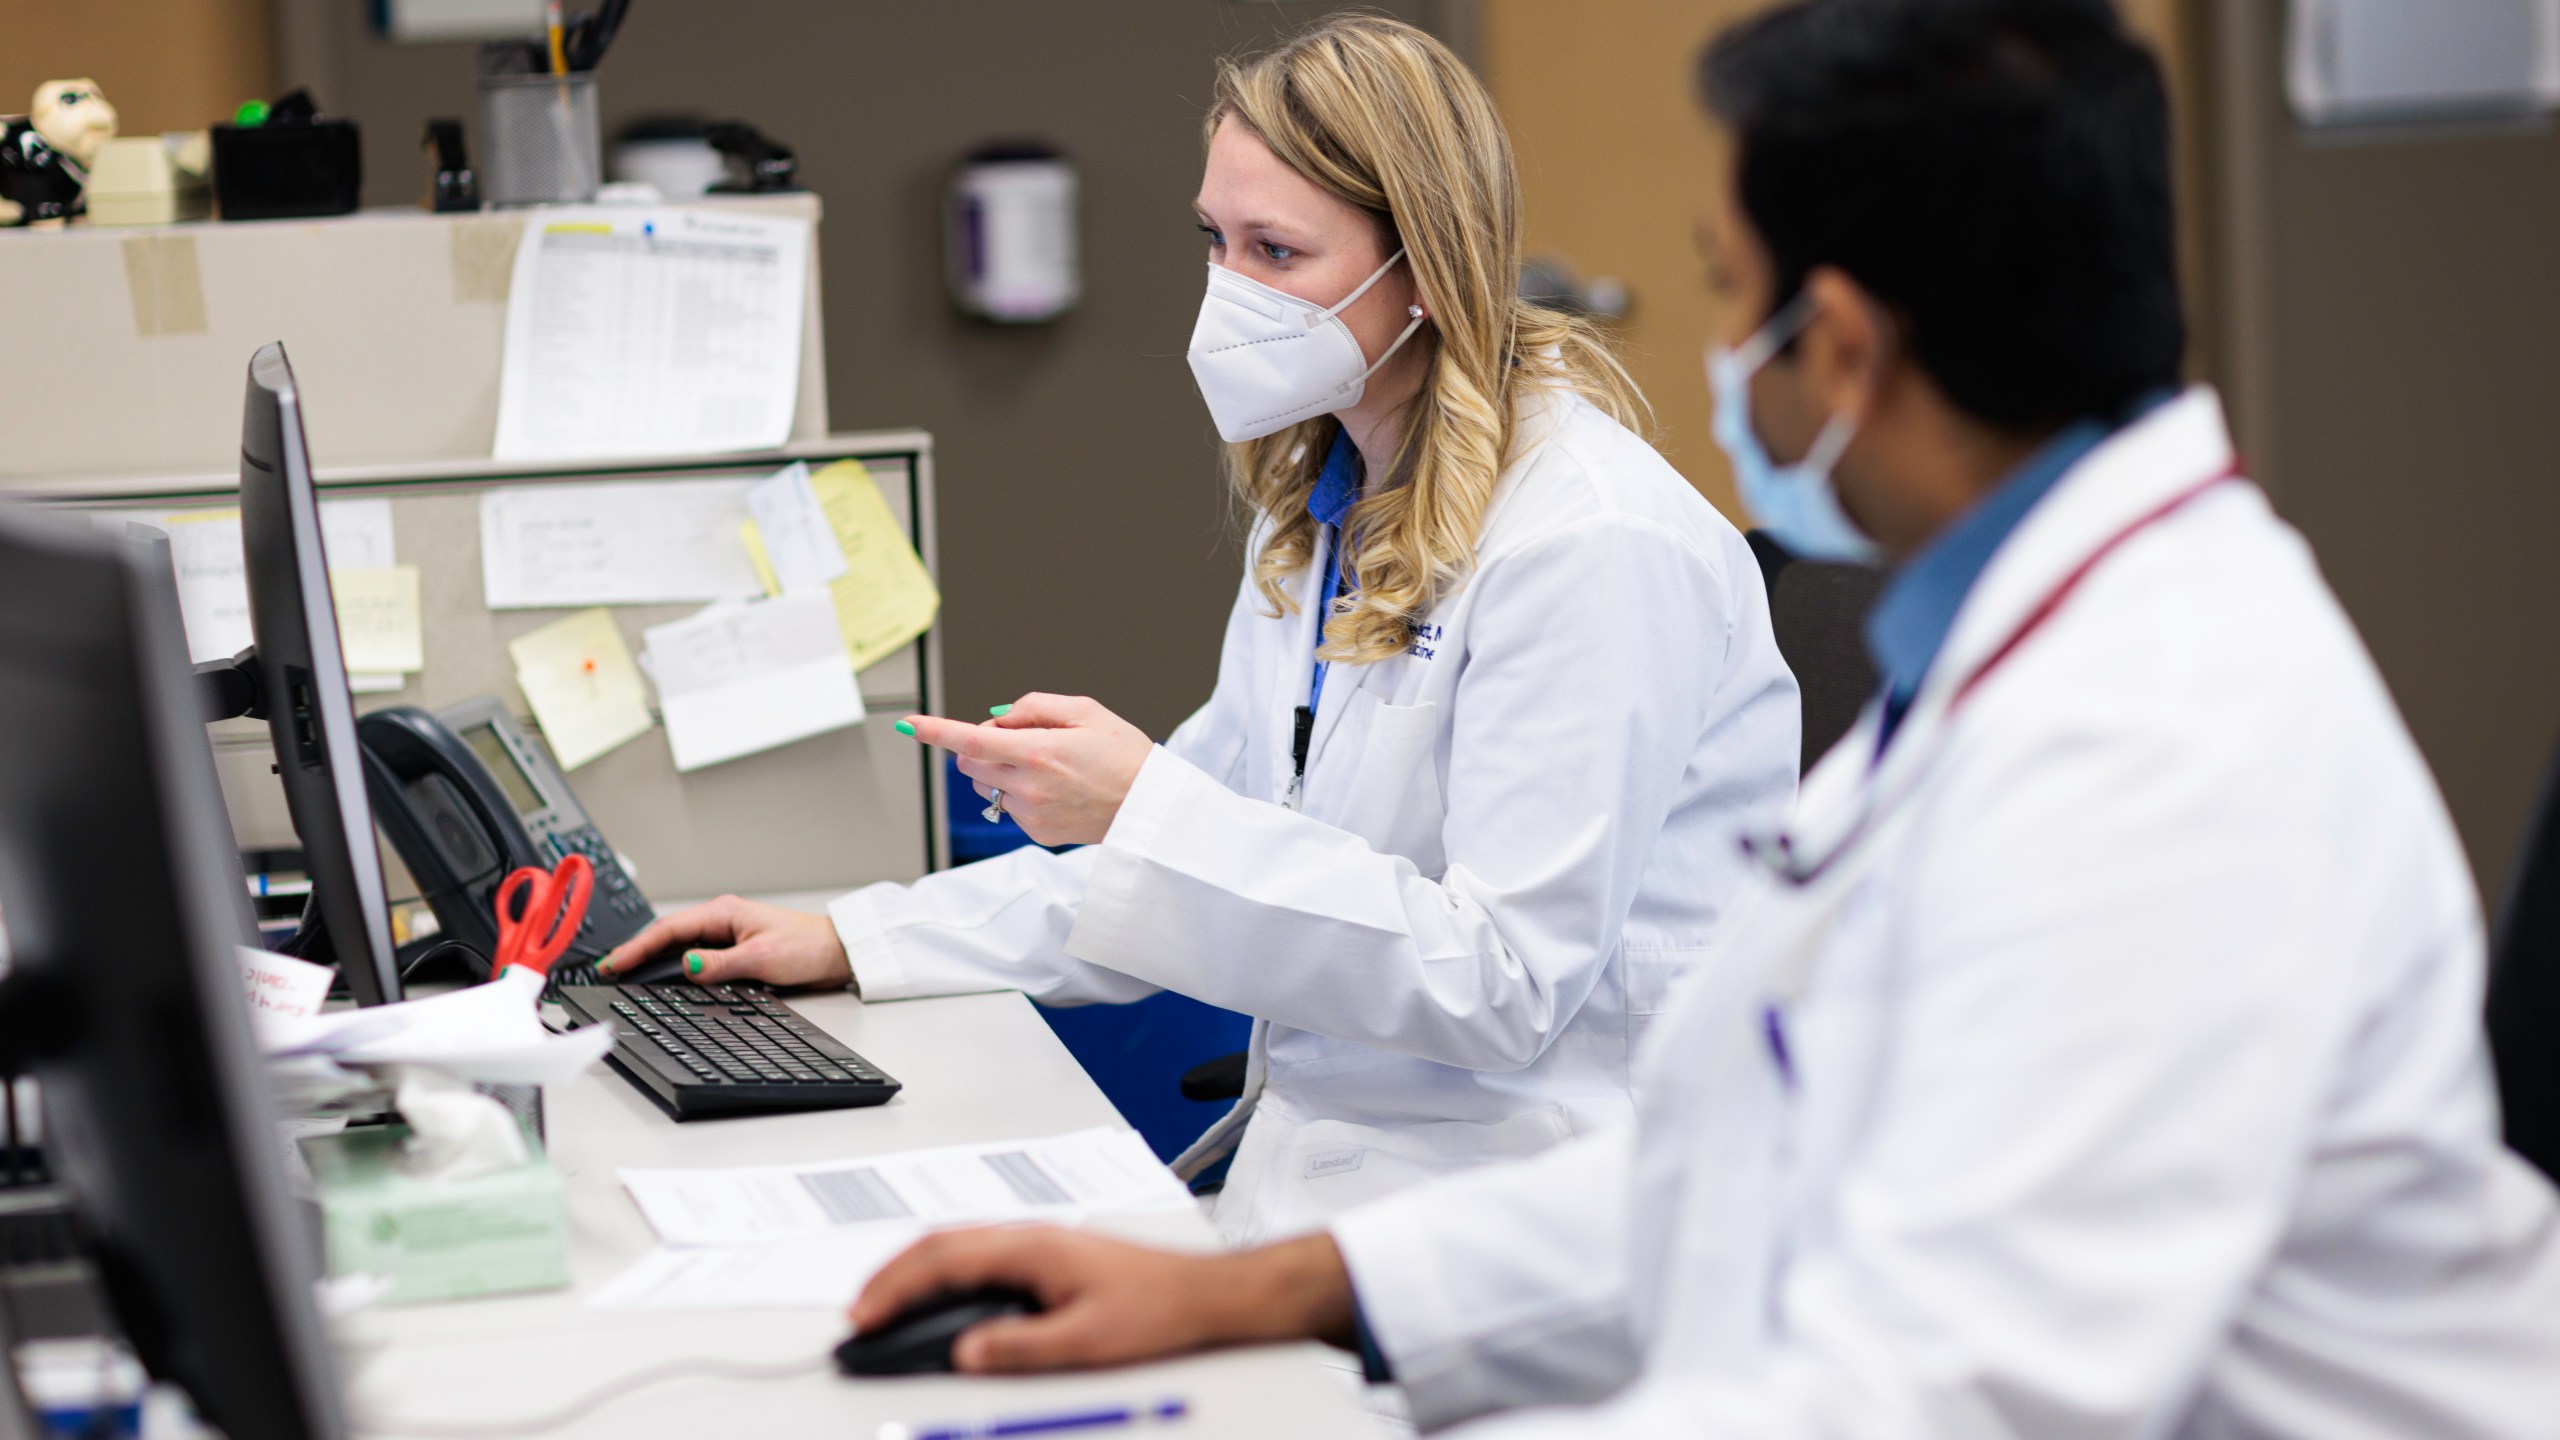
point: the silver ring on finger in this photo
(995, 807)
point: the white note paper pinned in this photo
(651, 331)
(798, 541)
(635, 543)
(1085, 1172)
(740, 678)
(213, 579)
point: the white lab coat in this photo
(1511, 840)
(2139, 1088)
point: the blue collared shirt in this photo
(1337, 489)
(1910, 621)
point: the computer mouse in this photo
(917, 1340)
(662, 968)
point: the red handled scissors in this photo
(536, 931)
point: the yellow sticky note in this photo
(885, 599)
(378, 619)
(753, 539)
(577, 675)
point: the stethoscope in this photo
(1782, 857)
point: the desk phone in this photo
(466, 796)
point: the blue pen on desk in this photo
(1106, 1417)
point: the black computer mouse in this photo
(917, 1340)
(663, 968)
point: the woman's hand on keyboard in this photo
(733, 939)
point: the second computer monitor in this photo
(122, 897)
(311, 714)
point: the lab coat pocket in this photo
(1336, 1164)
(1394, 800)
(1655, 977)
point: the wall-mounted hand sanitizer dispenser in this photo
(1009, 234)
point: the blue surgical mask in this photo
(1795, 503)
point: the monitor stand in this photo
(230, 690)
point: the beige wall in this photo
(165, 64)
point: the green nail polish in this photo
(692, 963)
(1000, 710)
(905, 728)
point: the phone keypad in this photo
(614, 890)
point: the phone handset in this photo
(467, 797)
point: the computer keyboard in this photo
(724, 1049)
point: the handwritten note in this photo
(619, 543)
(740, 678)
(213, 580)
(885, 598)
(797, 547)
(378, 624)
(279, 985)
(577, 675)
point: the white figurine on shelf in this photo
(45, 155)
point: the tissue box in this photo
(151, 180)
(436, 1239)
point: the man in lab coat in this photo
(2104, 1058)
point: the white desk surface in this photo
(975, 1067)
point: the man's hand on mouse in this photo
(1109, 1302)
(734, 939)
(1063, 762)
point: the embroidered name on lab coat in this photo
(1426, 640)
(1334, 1162)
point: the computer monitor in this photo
(122, 897)
(302, 674)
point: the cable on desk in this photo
(605, 1394)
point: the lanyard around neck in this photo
(1303, 729)
(1779, 853)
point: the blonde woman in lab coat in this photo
(1497, 693)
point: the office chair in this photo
(1818, 610)
(2523, 1009)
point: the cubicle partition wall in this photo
(839, 809)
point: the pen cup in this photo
(540, 140)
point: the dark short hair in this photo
(1995, 171)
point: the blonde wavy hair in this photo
(1383, 116)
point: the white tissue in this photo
(455, 1132)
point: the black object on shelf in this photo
(296, 163)
(456, 188)
(757, 163)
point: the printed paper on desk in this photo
(652, 331)
(819, 1273)
(885, 598)
(578, 677)
(740, 678)
(667, 542)
(798, 546)
(378, 625)
(213, 580)
(1087, 1172)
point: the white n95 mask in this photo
(1266, 360)
(1797, 503)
